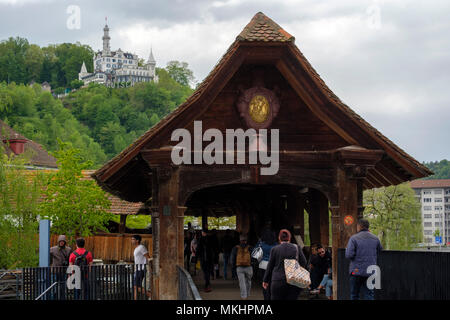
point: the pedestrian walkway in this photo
(229, 289)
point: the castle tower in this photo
(106, 38)
(83, 71)
(151, 63)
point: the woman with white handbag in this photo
(275, 274)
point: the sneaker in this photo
(315, 291)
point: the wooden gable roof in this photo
(251, 45)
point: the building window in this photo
(437, 216)
(427, 224)
(428, 232)
(427, 208)
(438, 208)
(439, 191)
(427, 216)
(426, 199)
(130, 62)
(108, 59)
(426, 192)
(438, 224)
(438, 200)
(108, 65)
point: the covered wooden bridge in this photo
(327, 154)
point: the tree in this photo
(180, 72)
(19, 194)
(75, 206)
(394, 215)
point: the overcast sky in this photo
(388, 60)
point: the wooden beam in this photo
(306, 95)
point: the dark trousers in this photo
(358, 285)
(281, 290)
(207, 269)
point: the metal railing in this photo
(187, 289)
(405, 275)
(96, 282)
(10, 284)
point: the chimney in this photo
(16, 144)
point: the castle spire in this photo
(106, 38)
(151, 59)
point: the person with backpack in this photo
(241, 258)
(81, 258)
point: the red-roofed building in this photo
(15, 143)
(434, 197)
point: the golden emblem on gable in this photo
(259, 108)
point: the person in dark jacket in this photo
(362, 250)
(268, 241)
(320, 263)
(206, 256)
(226, 245)
(275, 274)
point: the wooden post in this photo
(204, 219)
(314, 215)
(345, 213)
(122, 225)
(298, 217)
(170, 234)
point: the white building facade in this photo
(118, 68)
(434, 197)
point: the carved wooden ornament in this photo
(258, 107)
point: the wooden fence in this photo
(111, 247)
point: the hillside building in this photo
(118, 68)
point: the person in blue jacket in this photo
(362, 250)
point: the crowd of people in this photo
(204, 247)
(61, 255)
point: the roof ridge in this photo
(262, 28)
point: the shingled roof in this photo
(261, 30)
(39, 157)
(436, 183)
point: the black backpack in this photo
(81, 260)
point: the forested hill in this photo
(98, 120)
(441, 169)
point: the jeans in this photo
(226, 258)
(245, 280)
(327, 283)
(359, 284)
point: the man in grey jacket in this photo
(362, 250)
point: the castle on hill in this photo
(118, 68)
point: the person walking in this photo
(275, 274)
(193, 245)
(268, 241)
(59, 259)
(141, 257)
(362, 250)
(241, 258)
(227, 247)
(206, 256)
